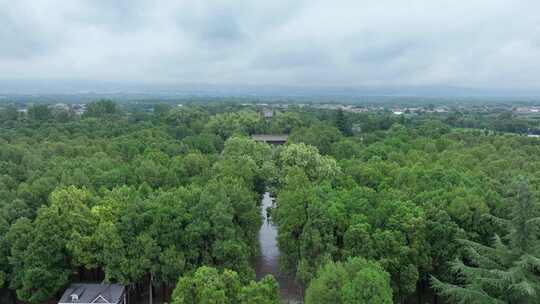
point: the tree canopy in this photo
(156, 196)
(210, 286)
(356, 281)
(507, 271)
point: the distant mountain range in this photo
(88, 90)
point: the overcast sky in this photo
(472, 43)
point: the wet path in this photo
(268, 262)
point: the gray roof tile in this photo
(90, 293)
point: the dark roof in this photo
(270, 138)
(93, 293)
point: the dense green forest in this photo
(371, 207)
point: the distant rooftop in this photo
(268, 113)
(271, 138)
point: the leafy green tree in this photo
(4, 252)
(43, 266)
(355, 281)
(40, 113)
(286, 122)
(265, 291)
(433, 128)
(228, 124)
(193, 165)
(321, 136)
(248, 160)
(342, 123)
(192, 119)
(18, 237)
(208, 285)
(162, 110)
(347, 148)
(442, 236)
(308, 159)
(242, 146)
(62, 115)
(9, 113)
(305, 231)
(206, 143)
(506, 272)
(101, 108)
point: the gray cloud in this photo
(21, 37)
(476, 43)
(21, 44)
(212, 27)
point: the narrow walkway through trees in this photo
(268, 261)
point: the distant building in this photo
(78, 109)
(526, 110)
(271, 139)
(441, 110)
(267, 114)
(357, 110)
(61, 107)
(94, 294)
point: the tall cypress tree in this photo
(342, 123)
(509, 270)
